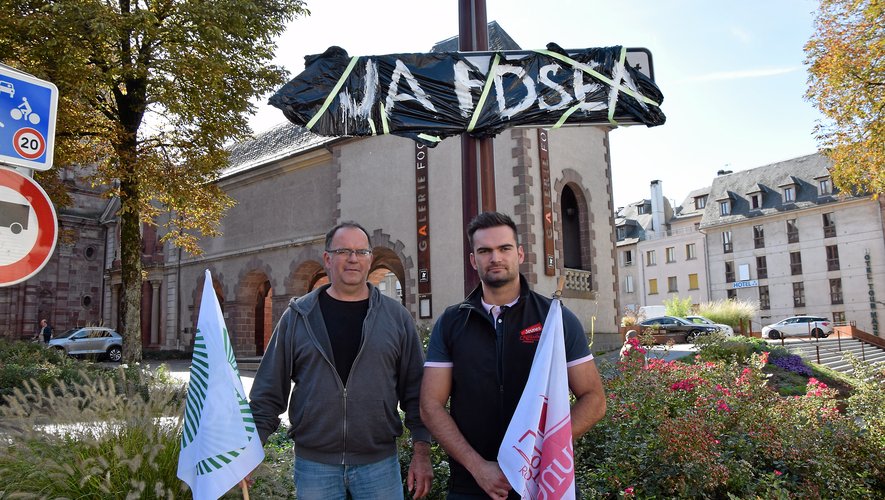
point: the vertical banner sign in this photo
(874, 315)
(422, 219)
(546, 203)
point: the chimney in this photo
(657, 207)
(723, 172)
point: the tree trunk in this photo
(130, 256)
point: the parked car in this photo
(816, 326)
(700, 320)
(675, 324)
(90, 340)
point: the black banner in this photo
(428, 97)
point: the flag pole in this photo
(245, 487)
(558, 293)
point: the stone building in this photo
(68, 291)
(292, 186)
(779, 235)
(782, 235)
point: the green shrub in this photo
(728, 311)
(715, 429)
(96, 439)
(674, 306)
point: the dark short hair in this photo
(347, 223)
(486, 220)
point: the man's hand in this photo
(420, 479)
(490, 478)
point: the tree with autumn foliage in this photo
(847, 83)
(150, 91)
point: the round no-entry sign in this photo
(28, 227)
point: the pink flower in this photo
(777, 472)
(628, 491)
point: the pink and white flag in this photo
(537, 455)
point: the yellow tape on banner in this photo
(586, 69)
(611, 109)
(431, 138)
(485, 92)
(384, 125)
(565, 115)
(333, 93)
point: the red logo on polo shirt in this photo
(531, 335)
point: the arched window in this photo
(571, 229)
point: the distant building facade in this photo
(779, 235)
(783, 236)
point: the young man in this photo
(480, 355)
(353, 355)
(45, 331)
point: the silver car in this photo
(90, 340)
(700, 320)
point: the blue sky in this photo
(732, 73)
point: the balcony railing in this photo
(578, 280)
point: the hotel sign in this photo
(745, 284)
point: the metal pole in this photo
(477, 156)
(817, 351)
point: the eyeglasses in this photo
(347, 252)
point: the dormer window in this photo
(622, 233)
(789, 193)
(825, 186)
(725, 207)
(700, 202)
(642, 209)
(755, 201)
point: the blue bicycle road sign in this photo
(27, 120)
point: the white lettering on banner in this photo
(393, 95)
(362, 109)
(531, 93)
(581, 91)
(463, 84)
(544, 77)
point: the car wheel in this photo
(692, 336)
(817, 332)
(115, 353)
(774, 334)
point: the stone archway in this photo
(249, 321)
(387, 273)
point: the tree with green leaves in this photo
(150, 91)
(846, 55)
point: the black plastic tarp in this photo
(428, 97)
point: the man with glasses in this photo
(354, 356)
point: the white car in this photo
(7, 88)
(814, 326)
(700, 320)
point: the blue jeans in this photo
(376, 481)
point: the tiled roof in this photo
(282, 141)
(636, 224)
(687, 208)
(498, 40)
(802, 173)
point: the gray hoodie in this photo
(334, 422)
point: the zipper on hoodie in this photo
(344, 384)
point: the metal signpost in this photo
(27, 120)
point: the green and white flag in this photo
(219, 443)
